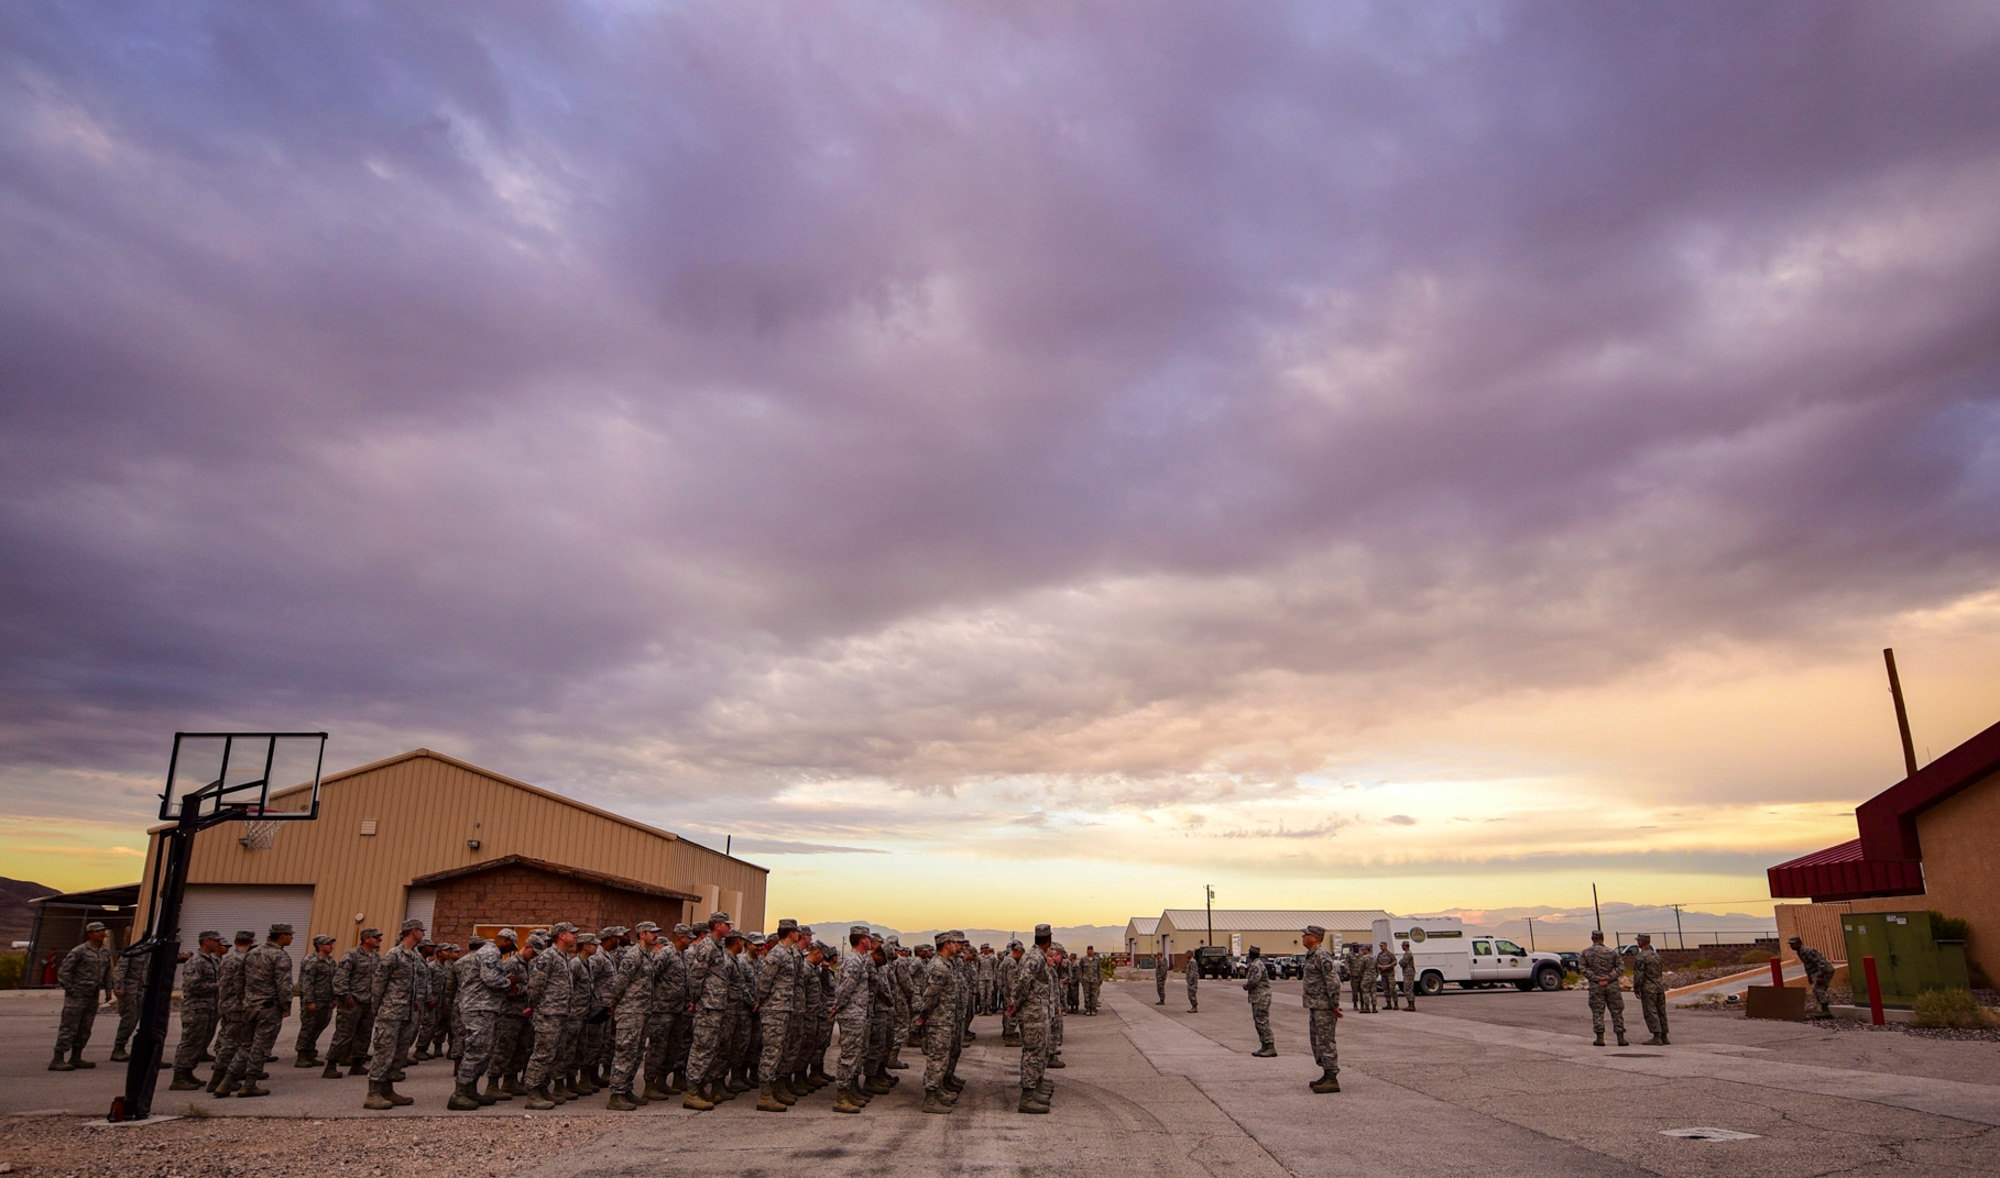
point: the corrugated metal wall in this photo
(425, 810)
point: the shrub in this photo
(12, 967)
(1703, 963)
(1952, 1008)
(1755, 957)
(1947, 928)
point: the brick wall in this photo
(521, 895)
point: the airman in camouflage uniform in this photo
(1649, 986)
(85, 978)
(669, 1022)
(1819, 973)
(710, 975)
(902, 994)
(1162, 962)
(570, 1075)
(1406, 961)
(1385, 975)
(1010, 1023)
(354, 1016)
(316, 1001)
(777, 984)
(1193, 982)
(427, 1012)
(1257, 984)
(229, 1004)
(603, 973)
(513, 1030)
(744, 1036)
(397, 992)
(1093, 978)
(939, 1008)
(1031, 1002)
(853, 1005)
(631, 998)
(267, 1000)
(199, 982)
(1360, 971)
(1601, 971)
(128, 982)
(1322, 1002)
(550, 983)
(483, 989)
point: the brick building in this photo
(525, 893)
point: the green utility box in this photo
(1908, 959)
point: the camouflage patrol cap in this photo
(370, 932)
(280, 929)
(787, 925)
(859, 930)
(475, 943)
(735, 934)
(413, 925)
(942, 939)
(684, 930)
(538, 941)
(718, 915)
(645, 926)
(209, 934)
(506, 934)
(318, 938)
(427, 943)
(805, 930)
(1015, 945)
(245, 937)
(1313, 930)
(586, 938)
(561, 927)
(985, 944)
(1642, 938)
(756, 938)
(1043, 933)
(893, 941)
(616, 930)
(95, 926)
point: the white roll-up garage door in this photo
(421, 905)
(256, 907)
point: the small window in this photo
(367, 826)
(1482, 948)
(1510, 949)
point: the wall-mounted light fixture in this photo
(472, 844)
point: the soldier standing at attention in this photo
(85, 978)
(513, 1033)
(267, 999)
(1257, 984)
(1322, 1001)
(198, 1009)
(396, 993)
(570, 1068)
(1819, 973)
(1649, 986)
(353, 1016)
(1162, 962)
(937, 1011)
(631, 1004)
(1407, 962)
(1385, 974)
(1600, 969)
(426, 1011)
(483, 986)
(1029, 1004)
(1358, 970)
(549, 986)
(128, 982)
(777, 984)
(229, 1003)
(709, 973)
(1193, 980)
(667, 1016)
(1010, 1023)
(315, 990)
(1093, 978)
(884, 1010)
(852, 1004)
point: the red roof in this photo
(1845, 873)
(1888, 821)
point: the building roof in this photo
(1845, 873)
(582, 874)
(1145, 926)
(1888, 821)
(122, 896)
(1259, 920)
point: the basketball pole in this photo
(163, 932)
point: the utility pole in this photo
(1677, 926)
(1902, 717)
(1594, 908)
(1210, 888)
(1531, 934)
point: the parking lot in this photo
(1475, 1082)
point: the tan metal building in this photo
(1273, 930)
(390, 834)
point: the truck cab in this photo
(1446, 952)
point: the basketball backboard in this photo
(218, 776)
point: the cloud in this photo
(1400, 820)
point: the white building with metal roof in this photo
(1274, 930)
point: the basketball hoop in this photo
(258, 836)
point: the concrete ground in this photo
(1472, 1082)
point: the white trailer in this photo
(1447, 952)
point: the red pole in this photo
(1778, 972)
(1874, 991)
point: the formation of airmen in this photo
(704, 1014)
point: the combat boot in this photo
(896, 1063)
(358, 1068)
(511, 1084)
(496, 1090)
(395, 1097)
(539, 1099)
(844, 1100)
(933, 1103)
(768, 1102)
(622, 1102)
(1653, 1042)
(1046, 1091)
(309, 1060)
(1266, 1052)
(782, 1090)
(463, 1098)
(1327, 1082)
(77, 1061)
(183, 1082)
(420, 1055)
(226, 1088)
(677, 1084)
(251, 1089)
(1056, 1061)
(1664, 1041)
(877, 1084)
(954, 1084)
(375, 1099)
(332, 1071)
(120, 1055)
(694, 1100)
(1030, 1102)
(59, 1064)
(1599, 1042)
(736, 1081)
(655, 1092)
(1621, 1040)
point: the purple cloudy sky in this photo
(955, 428)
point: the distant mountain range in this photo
(17, 919)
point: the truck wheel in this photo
(1549, 978)
(1430, 984)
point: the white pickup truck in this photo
(1446, 952)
